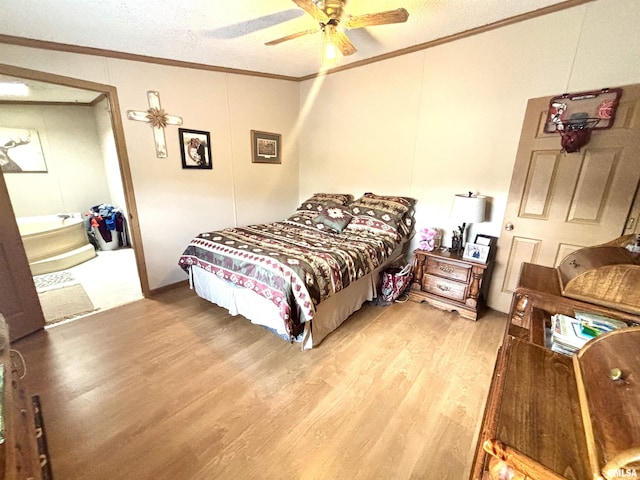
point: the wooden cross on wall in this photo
(158, 119)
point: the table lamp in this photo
(467, 208)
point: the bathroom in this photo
(70, 162)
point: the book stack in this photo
(569, 334)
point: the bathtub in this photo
(54, 243)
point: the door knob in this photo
(508, 227)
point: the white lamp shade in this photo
(468, 209)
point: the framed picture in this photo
(476, 252)
(20, 151)
(195, 147)
(482, 239)
(265, 147)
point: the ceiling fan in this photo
(329, 15)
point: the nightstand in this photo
(447, 281)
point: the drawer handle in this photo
(444, 288)
(446, 269)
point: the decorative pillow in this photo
(339, 198)
(367, 227)
(300, 220)
(407, 201)
(334, 218)
(313, 207)
(406, 227)
(388, 209)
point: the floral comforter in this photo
(291, 264)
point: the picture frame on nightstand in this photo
(476, 252)
(492, 241)
(482, 239)
(488, 240)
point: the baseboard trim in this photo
(171, 286)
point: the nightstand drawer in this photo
(448, 270)
(444, 288)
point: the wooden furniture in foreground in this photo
(534, 420)
(606, 275)
(18, 450)
(449, 282)
(539, 295)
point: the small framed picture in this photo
(195, 147)
(476, 252)
(482, 239)
(265, 147)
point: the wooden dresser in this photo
(534, 421)
(449, 282)
(18, 451)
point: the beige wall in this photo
(75, 178)
(429, 124)
(107, 145)
(175, 204)
(447, 120)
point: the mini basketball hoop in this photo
(575, 133)
(575, 115)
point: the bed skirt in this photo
(330, 313)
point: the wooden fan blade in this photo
(291, 37)
(311, 8)
(344, 44)
(399, 15)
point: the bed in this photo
(303, 276)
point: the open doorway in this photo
(77, 127)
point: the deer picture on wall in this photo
(20, 151)
(8, 165)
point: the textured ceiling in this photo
(232, 33)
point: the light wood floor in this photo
(175, 388)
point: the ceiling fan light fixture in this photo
(329, 47)
(329, 15)
(330, 53)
